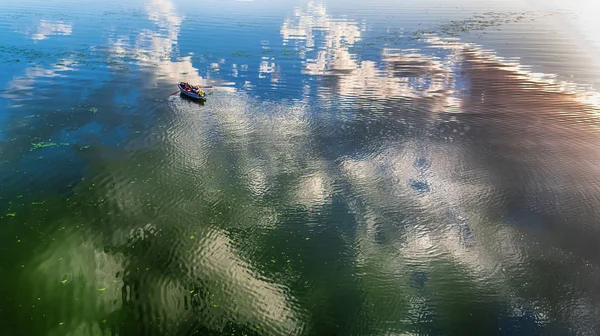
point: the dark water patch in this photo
(419, 186)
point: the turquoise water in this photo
(358, 168)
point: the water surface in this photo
(360, 168)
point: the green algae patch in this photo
(42, 144)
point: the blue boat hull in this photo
(190, 94)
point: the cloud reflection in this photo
(264, 301)
(155, 49)
(521, 142)
(47, 28)
(403, 73)
(453, 170)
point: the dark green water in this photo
(359, 168)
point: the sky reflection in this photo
(347, 175)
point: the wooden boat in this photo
(191, 91)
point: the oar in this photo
(174, 93)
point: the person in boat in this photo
(197, 90)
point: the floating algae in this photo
(43, 145)
(46, 144)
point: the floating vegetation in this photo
(46, 144)
(43, 145)
(11, 214)
(288, 52)
(241, 54)
(476, 23)
(94, 110)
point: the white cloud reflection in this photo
(411, 217)
(404, 73)
(47, 28)
(155, 49)
(269, 302)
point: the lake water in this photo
(359, 168)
